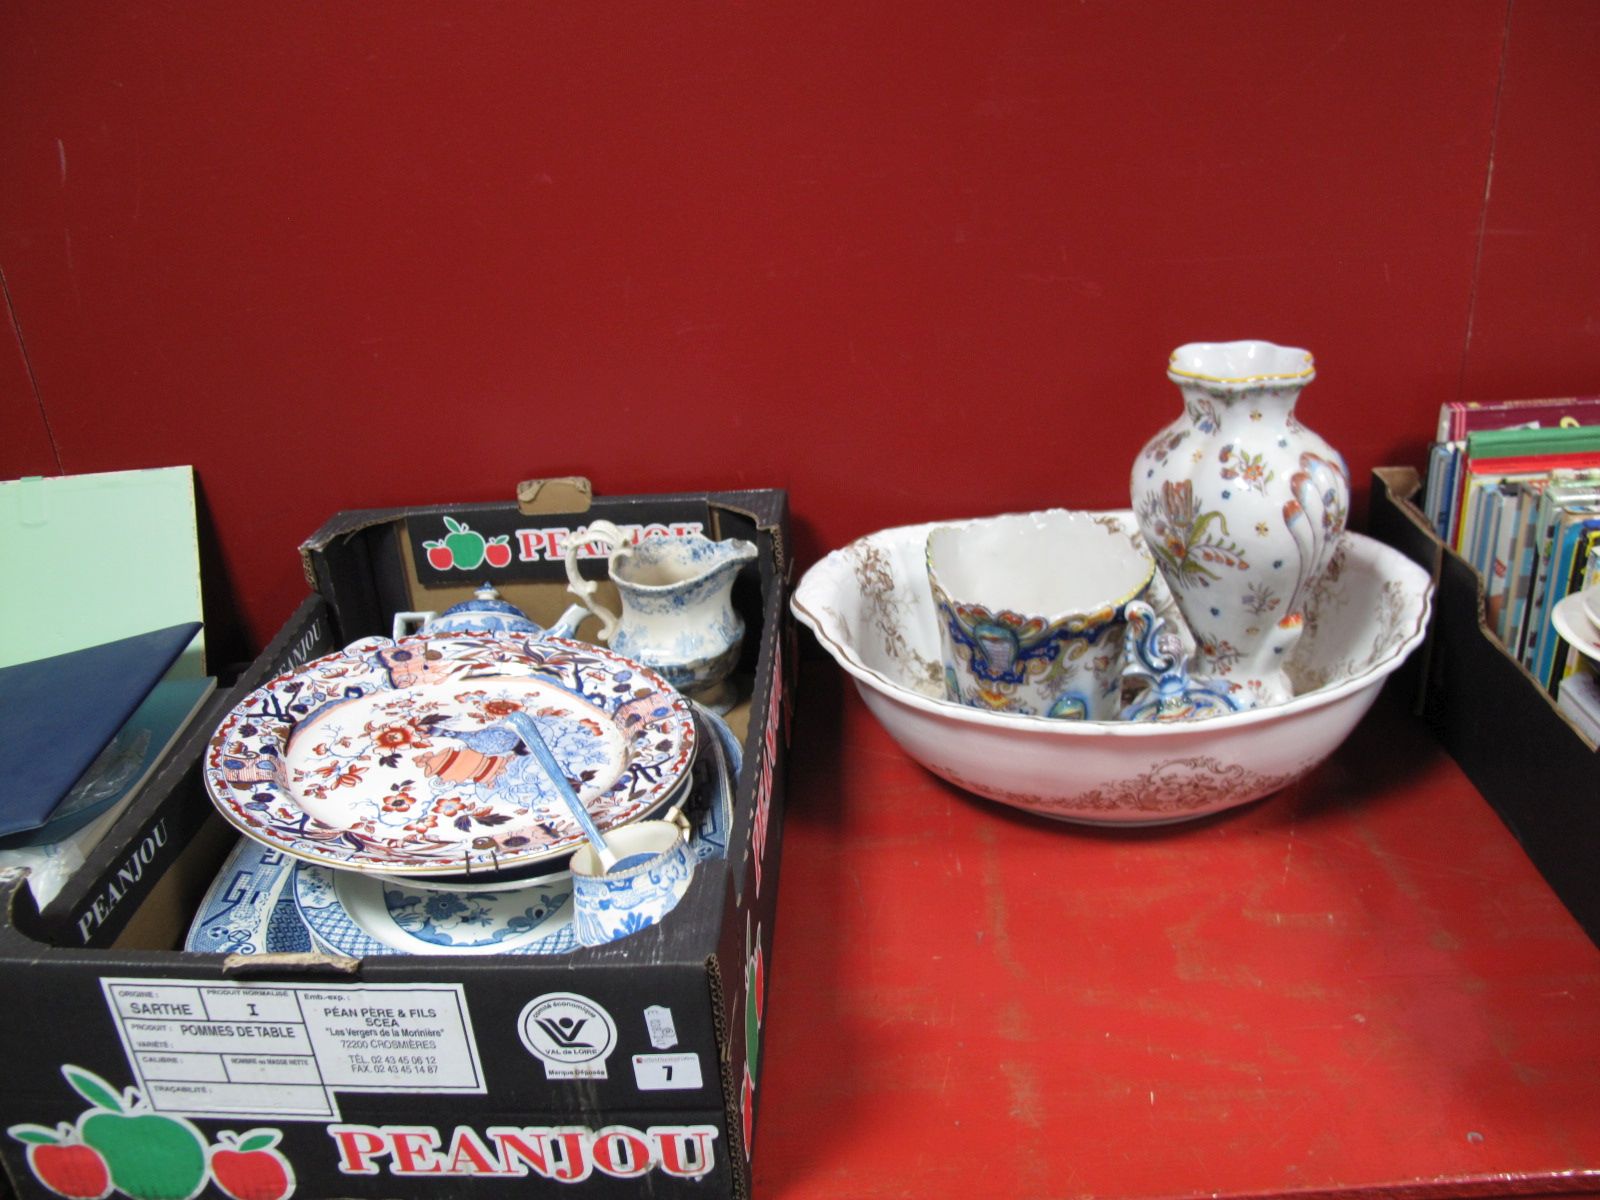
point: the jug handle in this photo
(584, 589)
(1153, 658)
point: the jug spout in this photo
(668, 566)
(679, 580)
(728, 556)
(737, 550)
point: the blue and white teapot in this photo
(486, 612)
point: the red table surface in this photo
(1358, 983)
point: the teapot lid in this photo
(485, 599)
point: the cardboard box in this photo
(1518, 748)
(137, 1069)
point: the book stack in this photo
(1514, 488)
(102, 655)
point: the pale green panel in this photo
(87, 559)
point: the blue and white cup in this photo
(1032, 610)
(654, 866)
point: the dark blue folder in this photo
(57, 714)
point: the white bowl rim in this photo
(1317, 698)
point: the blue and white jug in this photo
(677, 608)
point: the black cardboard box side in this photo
(1517, 747)
(745, 949)
(496, 1142)
(68, 1048)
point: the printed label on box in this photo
(240, 1050)
(667, 1072)
(501, 545)
(663, 1032)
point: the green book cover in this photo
(1527, 443)
(89, 559)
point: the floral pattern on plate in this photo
(395, 757)
(308, 896)
(361, 915)
(472, 920)
(346, 914)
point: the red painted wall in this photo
(907, 261)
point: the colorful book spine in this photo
(1480, 474)
(1524, 552)
(1497, 567)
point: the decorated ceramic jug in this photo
(1242, 506)
(677, 610)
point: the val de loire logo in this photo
(119, 1145)
(570, 1033)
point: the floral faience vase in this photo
(1242, 506)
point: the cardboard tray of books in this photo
(140, 1069)
(1501, 724)
(1522, 506)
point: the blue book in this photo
(1497, 557)
(1483, 528)
(1441, 479)
(1447, 462)
(120, 769)
(1521, 563)
(58, 714)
